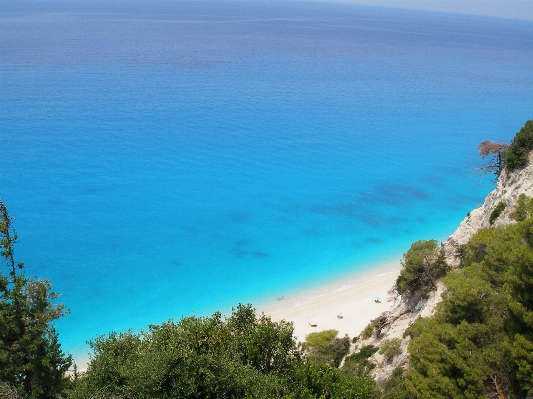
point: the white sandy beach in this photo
(353, 296)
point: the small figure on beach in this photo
(279, 298)
(313, 324)
(377, 299)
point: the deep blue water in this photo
(159, 155)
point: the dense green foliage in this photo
(392, 386)
(320, 340)
(523, 209)
(368, 331)
(518, 151)
(325, 347)
(422, 265)
(497, 211)
(239, 357)
(357, 364)
(390, 348)
(31, 361)
(480, 342)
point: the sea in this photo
(173, 158)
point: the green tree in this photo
(390, 348)
(479, 342)
(316, 380)
(263, 344)
(8, 237)
(325, 347)
(368, 331)
(422, 265)
(391, 388)
(497, 211)
(523, 209)
(242, 356)
(518, 152)
(31, 359)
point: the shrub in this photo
(358, 364)
(364, 353)
(497, 211)
(368, 331)
(394, 383)
(523, 209)
(460, 251)
(390, 348)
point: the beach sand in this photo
(353, 296)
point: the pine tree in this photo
(31, 359)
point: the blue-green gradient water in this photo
(168, 157)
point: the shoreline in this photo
(352, 295)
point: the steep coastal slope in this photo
(510, 186)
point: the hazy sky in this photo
(515, 9)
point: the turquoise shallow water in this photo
(160, 155)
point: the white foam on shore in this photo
(343, 287)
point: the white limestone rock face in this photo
(402, 320)
(508, 189)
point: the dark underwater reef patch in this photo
(91, 190)
(260, 255)
(241, 249)
(395, 194)
(434, 181)
(340, 209)
(377, 220)
(239, 217)
(459, 201)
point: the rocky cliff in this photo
(509, 187)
